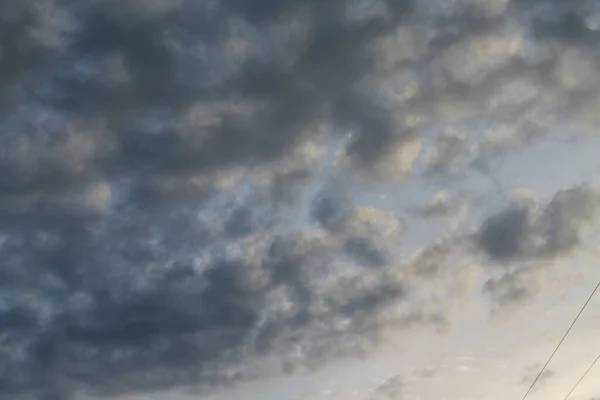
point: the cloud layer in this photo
(179, 179)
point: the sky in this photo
(294, 200)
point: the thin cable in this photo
(561, 341)
(583, 377)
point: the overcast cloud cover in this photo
(201, 193)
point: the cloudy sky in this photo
(302, 199)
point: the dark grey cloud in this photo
(364, 251)
(157, 99)
(130, 258)
(511, 289)
(503, 235)
(131, 69)
(287, 187)
(530, 231)
(331, 208)
(139, 301)
(203, 77)
(558, 21)
(526, 237)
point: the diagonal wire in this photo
(583, 377)
(561, 341)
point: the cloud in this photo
(427, 262)
(391, 389)
(529, 231)
(527, 236)
(134, 99)
(331, 208)
(502, 235)
(444, 205)
(155, 115)
(365, 251)
(162, 101)
(142, 301)
(533, 372)
(518, 243)
(444, 153)
(160, 159)
(513, 289)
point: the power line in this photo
(583, 377)
(561, 342)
